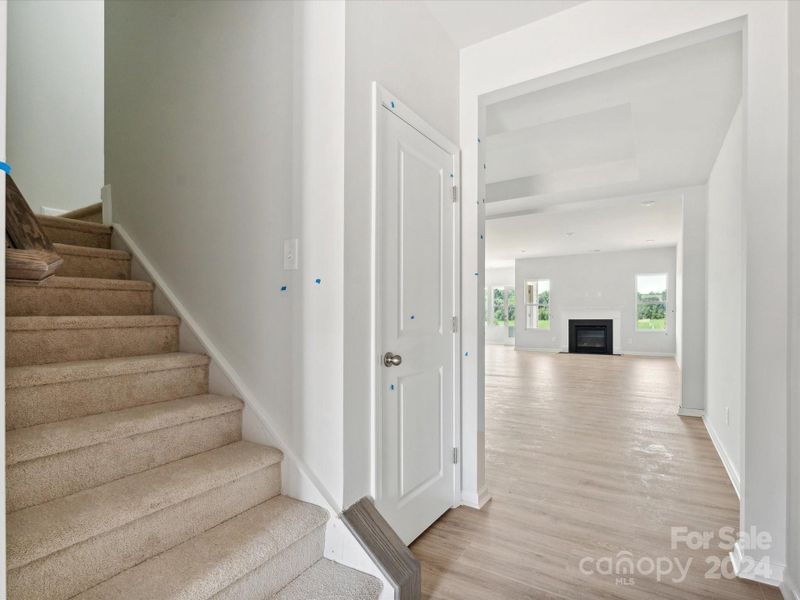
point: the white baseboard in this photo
(691, 412)
(764, 571)
(656, 354)
(105, 198)
(789, 589)
(297, 479)
(52, 212)
(476, 499)
(733, 474)
(524, 349)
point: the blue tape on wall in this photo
(5, 167)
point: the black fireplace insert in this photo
(591, 336)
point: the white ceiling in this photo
(583, 156)
(598, 225)
(468, 22)
(647, 126)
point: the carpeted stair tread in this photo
(65, 296)
(89, 322)
(54, 438)
(88, 251)
(88, 283)
(33, 375)
(208, 563)
(44, 340)
(85, 261)
(91, 213)
(69, 223)
(38, 394)
(327, 580)
(75, 232)
(41, 530)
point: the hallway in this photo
(586, 459)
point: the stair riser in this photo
(76, 265)
(73, 237)
(44, 479)
(45, 346)
(23, 301)
(28, 406)
(64, 574)
(265, 581)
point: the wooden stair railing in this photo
(30, 256)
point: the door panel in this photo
(414, 482)
(420, 418)
(421, 184)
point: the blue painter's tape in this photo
(451, 175)
(5, 167)
(476, 273)
(283, 288)
(479, 140)
(318, 281)
(391, 387)
(391, 103)
(466, 353)
(481, 236)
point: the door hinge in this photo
(455, 456)
(454, 325)
(455, 193)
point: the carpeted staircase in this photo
(125, 477)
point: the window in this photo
(501, 308)
(651, 302)
(537, 304)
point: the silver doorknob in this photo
(392, 360)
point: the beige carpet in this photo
(127, 479)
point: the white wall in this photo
(235, 125)
(399, 45)
(692, 303)
(793, 559)
(199, 143)
(594, 35)
(498, 334)
(55, 101)
(603, 280)
(725, 289)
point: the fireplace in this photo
(591, 336)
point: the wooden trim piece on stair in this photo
(30, 266)
(22, 228)
(86, 213)
(30, 256)
(385, 548)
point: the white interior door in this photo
(416, 306)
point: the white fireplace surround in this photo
(592, 313)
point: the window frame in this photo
(636, 302)
(549, 304)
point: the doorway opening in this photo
(613, 198)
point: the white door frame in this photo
(382, 99)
